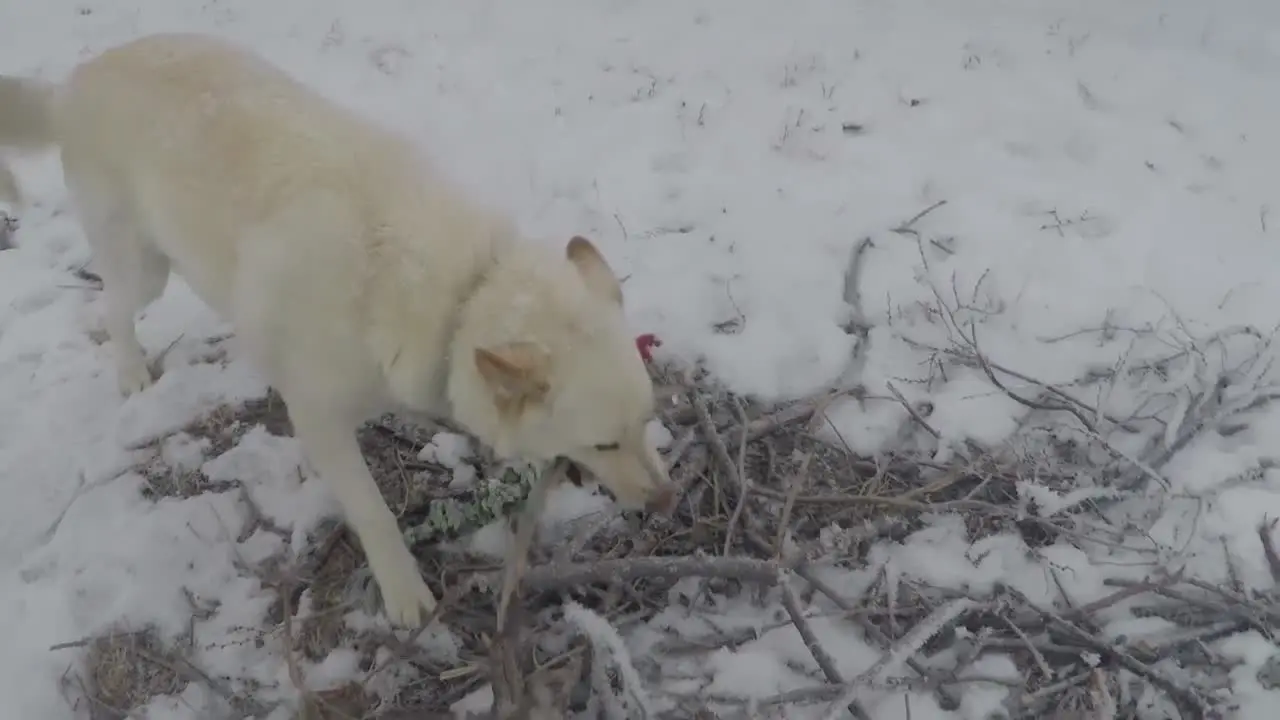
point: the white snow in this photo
(448, 449)
(1103, 164)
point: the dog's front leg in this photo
(332, 449)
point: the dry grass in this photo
(222, 428)
(124, 671)
(323, 629)
(391, 449)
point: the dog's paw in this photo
(407, 599)
(133, 378)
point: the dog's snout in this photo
(663, 500)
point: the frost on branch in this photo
(616, 687)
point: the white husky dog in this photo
(357, 279)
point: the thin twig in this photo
(1185, 696)
(805, 572)
(1041, 663)
(1265, 528)
(908, 227)
(915, 415)
(909, 645)
(741, 472)
(554, 576)
(858, 323)
(718, 449)
(820, 655)
(793, 490)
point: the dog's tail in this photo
(26, 113)
(26, 123)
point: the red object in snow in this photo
(644, 343)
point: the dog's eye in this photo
(606, 447)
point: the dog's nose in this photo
(663, 499)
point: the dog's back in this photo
(285, 211)
(202, 142)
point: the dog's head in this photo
(565, 378)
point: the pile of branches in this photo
(771, 498)
(768, 500)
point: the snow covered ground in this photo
(1106, 166)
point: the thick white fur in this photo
(357, 280)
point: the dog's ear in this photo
(517, 373)
(595, 271)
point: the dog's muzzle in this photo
(663, 500)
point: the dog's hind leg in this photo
(134, 274)
(130, 289)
